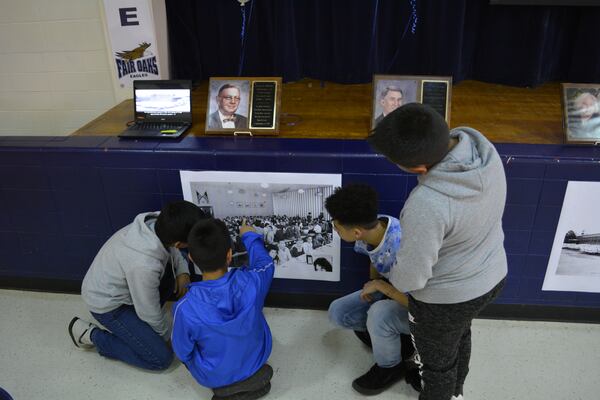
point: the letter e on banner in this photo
(128, 16)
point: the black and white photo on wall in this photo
(287, 209)
(574, 263)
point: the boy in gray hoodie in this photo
(130, 279)
(451, 260)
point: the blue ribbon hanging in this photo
(373, 48)
(412, 24)
(414, 16)
(243, 35)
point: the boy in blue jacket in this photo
(219, 330)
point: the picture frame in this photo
(291, 216)
(573, 262)
(393, 91)
(581, 113)
(243, 105)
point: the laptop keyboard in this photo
(142, 126)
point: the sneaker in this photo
(459, 397)
(364, 337)
(378, 379)
(252, 395)
(254, 383)
(81, 333)
(413, 378)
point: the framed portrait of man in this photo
(393, 91)
(581, 113)
(243, 105)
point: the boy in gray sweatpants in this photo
(451, 260)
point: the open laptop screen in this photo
(167, 100)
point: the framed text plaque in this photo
(243, 105)
(393, 91)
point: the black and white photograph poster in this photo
(287, 209)
(575, 259)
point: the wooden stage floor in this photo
(311, 109)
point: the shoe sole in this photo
(258, 381)
(253, 395)
(70, 328)
(71, 331)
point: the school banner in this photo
(132, 36)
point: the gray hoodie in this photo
(127, 271)
(452, 247)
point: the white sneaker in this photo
(81, 333)
(460, 397)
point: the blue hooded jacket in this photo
(219, 330)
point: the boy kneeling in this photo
(378, 313)
(219, 330)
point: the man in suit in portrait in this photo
(228, 100)
(390, 98)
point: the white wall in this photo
(295, 204)
(54, 66)
(225, 204)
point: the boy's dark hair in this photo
(175, 221)
(353, 205)
(411, 135)
(208, 244)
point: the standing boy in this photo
(128, 282)
(219, 330)
(378, 314)
(451, 261)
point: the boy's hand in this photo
(246, 228)
(368, 289)
(181, 285)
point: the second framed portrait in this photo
(393, 91)
(581, 113)
(241, 105)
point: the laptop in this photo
(162, 109)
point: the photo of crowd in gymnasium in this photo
(287, 209)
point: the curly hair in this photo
(353, 205)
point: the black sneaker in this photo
(256, 382)
(364, 337)
(378, 379)
(253, 395)
(413, 378)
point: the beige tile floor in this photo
(312, 360)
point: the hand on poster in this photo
(246, 228)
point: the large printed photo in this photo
(287, 209)
(574, 263)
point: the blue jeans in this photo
(383, 318)
(131, 340)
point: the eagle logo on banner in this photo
(138, 52)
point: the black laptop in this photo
(162, 109)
